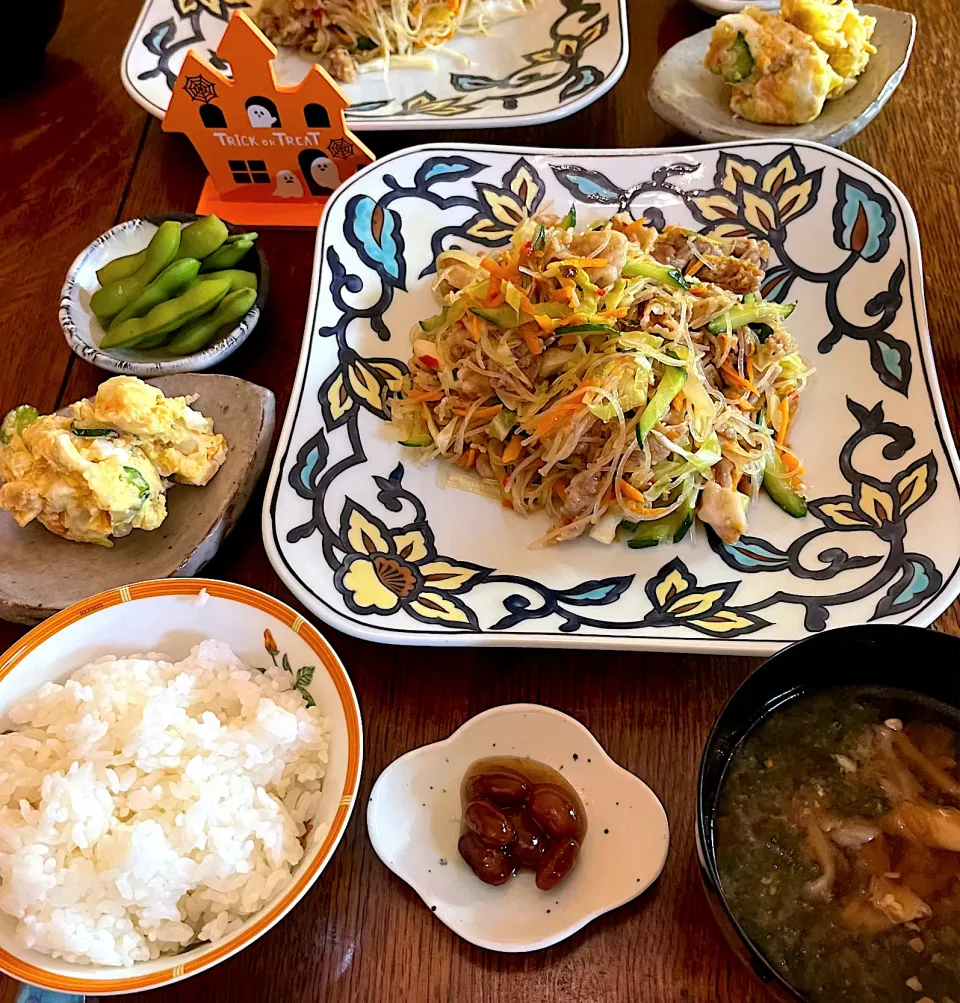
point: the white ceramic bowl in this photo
(84, 333)
(171, 616)
(413, 819)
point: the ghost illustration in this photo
(319, 171)
(262, 113)
(288, 186)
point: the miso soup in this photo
(838, 846)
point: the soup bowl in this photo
(908, 659)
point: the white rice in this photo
(146, 805)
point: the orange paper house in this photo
(274, 154)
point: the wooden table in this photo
(78, 156)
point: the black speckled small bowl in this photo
(84, 333)
(905, 658)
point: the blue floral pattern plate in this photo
(367, 539)
(550, 62)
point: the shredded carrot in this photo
(643, 510)
(613, 314)
(734, 377)
(693, 267)
(506, 502)
(547, 325)
(635, 227)
(560, 490)
(585, 262)
(677, 401)
(629, 491)
(784, 422)
(750, 369)
(567, 340)
(426, 395)
(453, 5)
(482, 412)
(561, 410)
(468, 459)
(474, 327)
(495, 298)
(532, 340)
(512, 450)
(560, 296)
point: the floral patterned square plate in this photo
(370, 542)
(546, 64)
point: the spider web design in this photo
(200, 89)
(342, 149)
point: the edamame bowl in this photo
(84, 332)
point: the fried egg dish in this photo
(782, 68)
(103, 469)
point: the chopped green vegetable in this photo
(570, 219)
(654, 270)
(778, 487)
(540, 238)
(673, 527)
(16, 421)
(366, 44)
(737, 61)
(586, 329)
(671, 383)
(434, 323)
(503, 424)
(93, 433)
(762, 312)
(133, 477)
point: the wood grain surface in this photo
(77, 155)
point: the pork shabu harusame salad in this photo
(615, 377)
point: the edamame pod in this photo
(169, 283)
(107, 302)
(239, 279)
(201, 332)
(168, 316)
(120, 268)
(201, 238)
(227, 256)
(234, 237)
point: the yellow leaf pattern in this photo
(737, 174)
(363, 536)
(670, 586)
(875, 504)
(437, 607)
(695, 604)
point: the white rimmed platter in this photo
(687, 95)
(413, 820)
(550, 62)
(366, 537)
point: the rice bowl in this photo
(289, 793)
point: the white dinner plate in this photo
(546, 64)
(367, 538)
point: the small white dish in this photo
(84, 333)
(721, 7)
(686, 94)
(413, 820)
(171, 616)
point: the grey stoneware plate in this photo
(720, 7)
(42, 573)
(686, 94)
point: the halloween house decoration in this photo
(274, 154)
